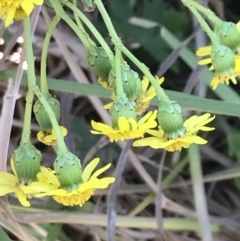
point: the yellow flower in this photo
(223, 77)
(9, 183)
(79, 194)
(142, 101)
(104, 83)
(127, 128)
(13, 9)
(191, 125)
(50, 139)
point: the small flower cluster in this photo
(133, 100)
(223, 54)
(164, 127)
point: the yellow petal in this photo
(159, 134)
(149, 141)
(145, 83)
(9, 17)
(98, 126)
(96, 184)
(22, 199)
(205, 61)
(27, 6)
(7, 189)
(203, 51)
(134, 125)
(57, 192)
(123, 124)
(8, 179)
(49, 174)
(87, 172)
(100, 171)
(13, 169)
(107, 106)
(144, 118)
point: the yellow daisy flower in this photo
(10, 183)
(50, 139)
(127, 128)
(12, 9)
(223, 77)
(191, 125)
(79, 194)
(142, 101)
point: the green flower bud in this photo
(42, 116)
(228, 35)
(122, 106)
(98, 61)
(26, 160)
(89, 6)
(68, 170)
(170, 120)
(223, 59)
(131, 82)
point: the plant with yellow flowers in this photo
(163, 128)
(130, 117)
(131, 95)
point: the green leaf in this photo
(3, 235)
(229, 107)
(178, 27)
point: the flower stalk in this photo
(51, 27)
(93, 30)
(61, 13)
(190, 4)
(117, 42)
(206, 11)
(34, 89)
(31, 82)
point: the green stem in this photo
(94, 31)
(160, 91)
(31, 81)
(116, 40)
(119, 85)
(27, 117)
(29, 53)
(107, 21)
(209, 14)
(202, 22)
(51, 27)
(61, 13)
(79, 23)
(60, 140)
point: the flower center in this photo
(10, 4)
(177, 146)
(141, 105)
(77, 198)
